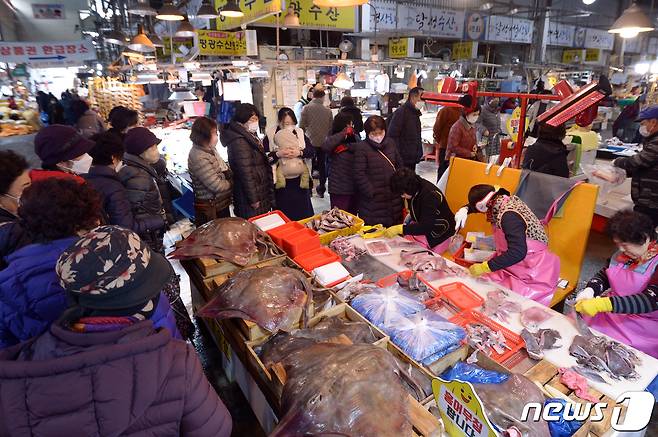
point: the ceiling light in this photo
(588, 2)
(182, 94)
(207, 11)
(141, 7)
(631, 23)
(169, 13)
(291, 19)
(116, 37)
(486, 6)
(339, 3)
(185, 29)
(231, 9)
(141, 42)
(343, 81)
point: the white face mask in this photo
(252, 127)
(82, 165)
(644, 131)
(472, 118)
(151, 155)
(378, 139)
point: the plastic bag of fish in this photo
(329, 221)
(383, 305)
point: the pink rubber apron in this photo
(537, 275)
(637, 330)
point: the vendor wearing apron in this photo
(626, 306)
(522, 262)
(430, 220)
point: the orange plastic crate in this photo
(461, 296)
(278, 234)
(276, 211)
(458, 257)
(300, 242)
(514, 341)
(316, 258)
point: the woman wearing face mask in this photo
(14, 178)
(622, 300)
(462, 142)
(63, 153)
(287, 147)
(375, 161)
(212, 180)
(140, 180)
(103, 176)
(548, 154)
(340, 147)
(253, 187)
(488, 126)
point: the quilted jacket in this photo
(136, 381)
(211, 177)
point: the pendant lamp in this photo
(339, 3)
(116, 35)
(207, 11)
(343, 81)
(291, 19)
(182, 94)
(141, 42)
(231, 9)
(141, 7)
(632, 22)
(185, 29)
(169, 13)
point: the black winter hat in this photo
(58, 143)
(139, 139)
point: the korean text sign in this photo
(215, 43)
(461, 409)
(47, 52)
(316, 17)
(253, 10)
(509, 29)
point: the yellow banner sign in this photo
(214, 43)
(316, 17)
(513, 124)
(461, 409)
(399, 48)
(165, 52)
(464, 50)
(592, 55)
(253, 10)
(572, 56)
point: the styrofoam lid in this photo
(330, 273)
(270, 221)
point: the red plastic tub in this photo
(300, 242)
(458, 257)
(316, 258)
(461, 296)
(278, 234)
(514, 341)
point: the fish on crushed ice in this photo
(498, 306)
(598, 353)
(536, 343)
(344, 247)
(532, 317)
(485, 339)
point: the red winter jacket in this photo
(136, 381)
(40, 175)
(462, 142)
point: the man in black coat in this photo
(405, 130)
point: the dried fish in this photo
(422, 260)
(485, 339)
(346, 249)
(532, 317)
(498, 306)
(332, 220)
(600, 354)
(536, 343)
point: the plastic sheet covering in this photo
(425, 336)
(504, 404)
(383, 305)
(348, 390)
(562, 427)
(474, 374)
(275, 298)
(606, 176)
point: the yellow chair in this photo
(567, 235)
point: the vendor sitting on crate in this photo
(522, 262)
(626, 302)
(430, 220)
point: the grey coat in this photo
(211, 176)
(316, 121)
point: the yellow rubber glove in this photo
(393, 231)
(593, 306)
(479, 269)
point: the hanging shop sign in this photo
(461, 409)
(599, 39)
(253, 10)
(508, 29)
(443, 23)
(216, 43)
(464, 50)
(573, 56)
(400, 47)
(182, 46)
(385, 14)
(475, 26)
(48, 11)
(48, 54)
(561, 34)
(593, 56)
(316, 17)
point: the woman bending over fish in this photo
(622, 299)
(522, 262)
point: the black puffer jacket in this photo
(430, 214)
(643, 168)
(252, 174)
(340, 149)
(140, 180)
(166, 193)
(357, 117)
(547, 156)
(116, 206)
(372, 175)
(405, 131)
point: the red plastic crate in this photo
(316, 258)
(514, 341)
(300, 242)
(458, 257)
(278, 234)
(459, 295)
(276, 211)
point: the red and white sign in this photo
(56, 53)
